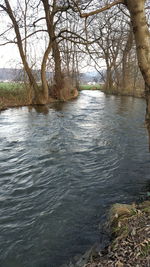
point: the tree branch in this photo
(3, 7)
(8, 42)
(34, 23)
(85, 15)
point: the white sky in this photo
(9, 56)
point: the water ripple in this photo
(60, 172)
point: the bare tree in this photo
(40, 96)
(141, 33)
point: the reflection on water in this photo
(44, 109)
(147, 125)
(60, 170)
(58, 106)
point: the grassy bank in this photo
(130, 225)
(90, 87)
(138, 92)
(13, 94)
(19, 94)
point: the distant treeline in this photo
(10, 74)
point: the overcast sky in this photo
(9, 56)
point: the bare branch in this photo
(6, 31)
(3, 7)
(33, 33)
(8, 42)
(97, 11)
(38, 21)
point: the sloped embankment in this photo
(130, 246)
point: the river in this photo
(61, 170)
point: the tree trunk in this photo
(59, 81)
(125, 67)
(109, 79)
(38, 97)
(55, 47)
(43, 73)
(142, 39)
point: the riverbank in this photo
(18, 95)
(14, 101)
(130, 245)
(14, 95)
(139, 93)
(136, 92)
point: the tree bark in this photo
(43, 72)
(142, 39)
(109, 79)
(125, 67)
(58, 77)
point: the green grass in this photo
(13, 94)
(9, 85)
(10, 88)
(90, 87)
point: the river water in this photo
(60, 171)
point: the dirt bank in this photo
(130, 246)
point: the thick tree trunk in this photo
(43, 73)
(109, 79)
(142, 39)
(55, 47)
(59, 80)
(125, 67)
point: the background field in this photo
(90, 87)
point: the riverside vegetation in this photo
(130, 225)
(20, 94)
(90, 87)
(13, 95)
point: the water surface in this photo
(61, 169)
